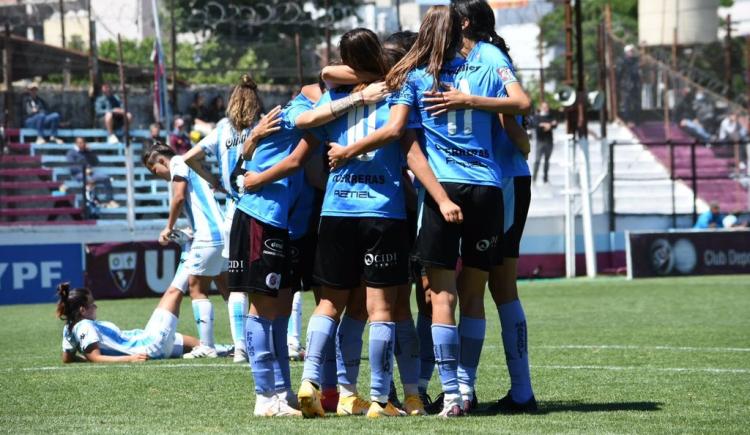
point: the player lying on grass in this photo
(102, 342)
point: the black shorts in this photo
(477, 240)
(258, 256)
(352, 249)
(516, 197)
(301, 260)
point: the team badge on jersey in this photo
(122, 267)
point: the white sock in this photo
(294, 329)
(237, 306)
(346, 390)
(203, 313)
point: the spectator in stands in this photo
(710, 219)
(109, 109)
(732, 132)
(545, 123)
(154, 135)
(82, 159)
(37, 116)
(696, 112)
(629, 85)
(683, 108)
(217, 110)
(179, 139)
(199, 115)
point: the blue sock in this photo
(349, 349)
(513, 323)
(471, 332)
(407, 354)
(329, 376)
(382, 339)
(319, 329)
(282, 375)
(426, 351)
(258, 342)
(446, 345)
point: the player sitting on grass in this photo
(103, 342)
(203, 262)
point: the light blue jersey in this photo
(459, 143)
(110, 339)
(300, 211)
(511, 161)
(202, 209)
(225, 144)
(271, 203)
(370, 184)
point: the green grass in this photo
(677, 359)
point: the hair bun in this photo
(247, 82)
(63, 290)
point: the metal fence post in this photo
(672, 179)
(611, 193)
(694, 180)
(85, 203)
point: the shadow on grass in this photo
(577, 406)
(550, 407)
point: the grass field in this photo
(608, 356)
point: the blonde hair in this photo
(438, 38)
(244, 104)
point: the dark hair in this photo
(438, 40)
(244, 104)
(196, 97)
(481, 23)
(397, 45)
(361, 50)
(155, 150)
(70, 303)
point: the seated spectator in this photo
(216, 110)
(710, 219)
(696, 129)
(199, 115)
(109, 110)
(732, 132)
(82, 158)
(36, 115)
(179, 139)
(154, 135)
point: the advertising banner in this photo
(714, 252)
(31, 273)
(130, 270)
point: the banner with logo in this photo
(682, 253)
(31, 273)
(130, 270)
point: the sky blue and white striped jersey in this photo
(202, 209)
(370, 184)
(111, 340)
(459, 142)
(225, 144)
(271, 203)
(511, 161)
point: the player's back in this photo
(271, 202)
(225, 144)
(459, 142)
(201, 207)
(368, 185)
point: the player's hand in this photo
(374, 93)
(336, 155)
(138, 358)
(451, 212)
(252, 181)
(164, 236)
(268, 123)
(437, 102)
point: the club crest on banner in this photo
(122, 267)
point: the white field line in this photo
(715, 370)
(637, 347)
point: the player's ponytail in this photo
(70, 303)
(244, 104)
(437, 42)
(481, 25)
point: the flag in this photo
(161, 102)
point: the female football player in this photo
(459, 148)
(86, 339)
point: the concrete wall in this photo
(76, 108)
